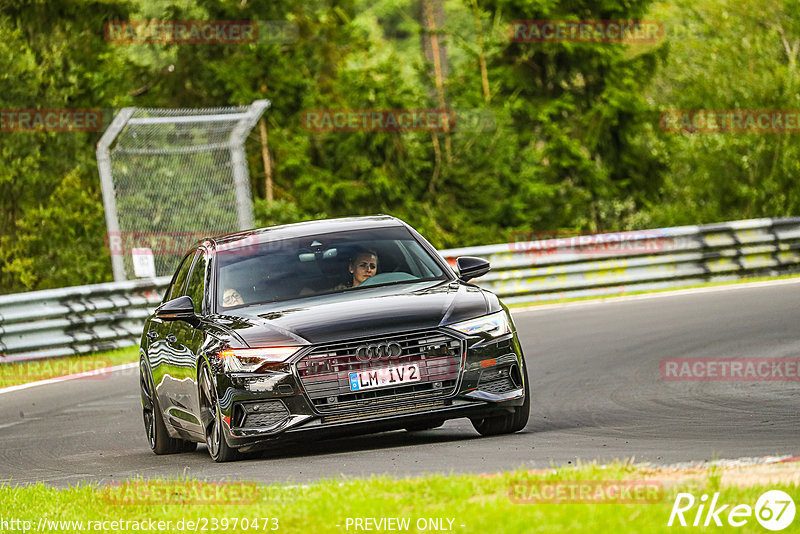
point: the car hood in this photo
(362, 313)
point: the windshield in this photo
(319, 264)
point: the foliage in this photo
(51, 227)
(568, 135)
(281, 211)
(729, 55)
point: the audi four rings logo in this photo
(378, 351)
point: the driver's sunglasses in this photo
(232, 298)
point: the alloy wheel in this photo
(148, 407)
(213, 427)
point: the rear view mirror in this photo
(470, 267)
(176, 309)
(305, 255)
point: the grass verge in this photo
(15, 373)
(457, 503)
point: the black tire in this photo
(211, 414)
(154, 427)
(189, 446)
(507, 423)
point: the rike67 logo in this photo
(774, 510)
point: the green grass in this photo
(665, 290)
(12, 374)
(482, 504)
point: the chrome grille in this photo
(324, 371)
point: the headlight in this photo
(249, 360)
(495, 325)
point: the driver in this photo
(362, 265)
(231, 297)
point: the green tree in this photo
(726, 55)
(50, 229)
(583, 124)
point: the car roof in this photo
(306, 228)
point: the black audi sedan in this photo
(325, 328)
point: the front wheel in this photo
(507, 423)
(218, 448)
(154, 426)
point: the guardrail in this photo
(78, 320)
(625, 262)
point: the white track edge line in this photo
(75, 376)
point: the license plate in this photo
(384, 377)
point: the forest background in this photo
(570, 138)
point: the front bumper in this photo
(269, 408)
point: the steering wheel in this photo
(385, 278)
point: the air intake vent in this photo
(386, 411)
(262, 414)
(497, 381)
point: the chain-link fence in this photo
(171, 177)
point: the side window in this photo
(175, 290)
(196, 287)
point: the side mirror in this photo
(176, 309)
(470, 267)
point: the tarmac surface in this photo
(598, 394)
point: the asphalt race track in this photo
(598, 394)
